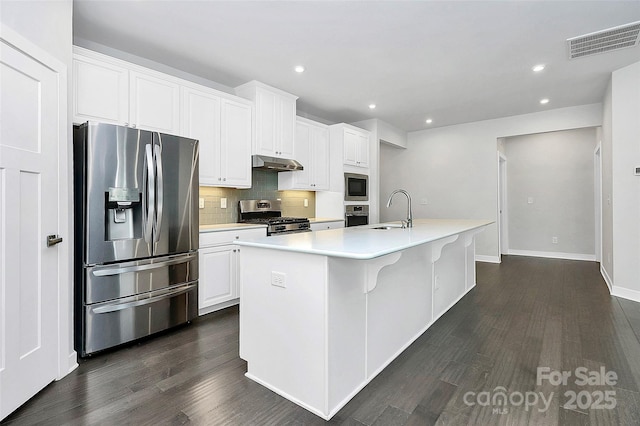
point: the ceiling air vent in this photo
(604, 41)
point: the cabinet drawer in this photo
(209, 239)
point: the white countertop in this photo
(324, 219)
(364, 242)
(230, 227)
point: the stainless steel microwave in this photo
(356, 187)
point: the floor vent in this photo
(604, 41)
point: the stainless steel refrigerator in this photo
(136, 234)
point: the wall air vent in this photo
(604, 41)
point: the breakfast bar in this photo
(349, 301)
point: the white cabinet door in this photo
(312, 151)
(287, 121)
(218, 280)
(100, 92)
(320, 155)
(363, 150)
(265, 105)
(356, 148)
(31, 208)
(302, 179)
(201, 120)
(351, 144)
(154, 103)
(235, 147)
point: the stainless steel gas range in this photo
(269, 212)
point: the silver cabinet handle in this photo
(52, 240)
(120, 306)
(138, 268)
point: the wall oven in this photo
(356, 215)
(356, 187)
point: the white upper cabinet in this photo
(274, 120)
(223, 128)
(154, 103)
(201, 120)
(356, 147)
(100, 91)
(235, 144)
(110, 91)
(312, 151)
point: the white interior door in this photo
(29, 206)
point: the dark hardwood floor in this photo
(524, 313)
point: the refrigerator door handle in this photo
(137, 268)
(113, 307)
(150, 195)
(157, 155)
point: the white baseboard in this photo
(626, 293)
(553, 255)
(488, 259)
(607, 278)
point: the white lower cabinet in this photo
(218, 269)
(218, 272)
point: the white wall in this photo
(550, 193)
(625, 134)
(455, 169)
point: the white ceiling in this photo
(452, 61)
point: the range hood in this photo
(275, 164)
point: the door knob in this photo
(52, 240)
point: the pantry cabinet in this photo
(274, 119)
(312, 151)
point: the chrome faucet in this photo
(409, 214)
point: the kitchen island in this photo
(322, 313)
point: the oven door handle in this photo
(113, 307)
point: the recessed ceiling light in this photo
(429, 121)
(544, 101)
(372, 106)
(299, 68)
(538, 68)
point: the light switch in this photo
(223, 203)
(306, 202)
(530, 200)
(201, 203)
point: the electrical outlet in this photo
(223, 203)
(306, 202)
(279, 279)
(554, 240)
(530, 200)
(201, 203)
